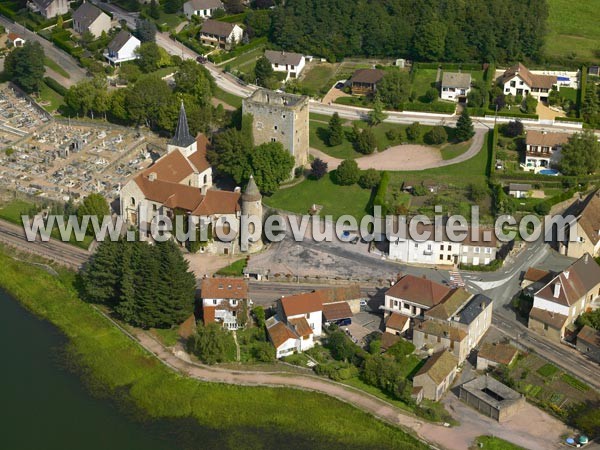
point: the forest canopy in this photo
(423, 30)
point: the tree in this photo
(100, 280)
(154, 10)
(394, 89)
(212, 344)
(430, 40)
(414, 132)
(318, 168)
(259, 315)
(376, 116)
(477, 192)
(580, 154)
(145, 30)
(229, 154)
(94, 205)
(263, 71)
(366, 142)
(431, 95)
(263, 352)
(542, 208)
(193, 79)
(271, 164)
(234, 6)
(151, 57)
(591, 319)
(151, 102)
(464, 127)
(341, 347)
(173, 6)
(529, 104)
(347, 172)
(513, 129)
(25, 66)
(59, 23)
(437, 135)
(589, 107)
(369, 179)
(335, 135)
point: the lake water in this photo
(45, 406)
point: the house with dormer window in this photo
(225, 301)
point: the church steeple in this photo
(182, 137)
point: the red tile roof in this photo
(208, 314)
(280, 333)
(498, 352)
(301, 326)
(397, 321)
(534, 274)
(198, 158)
(336, 311)
(532, 80)
(303, 303)
(552, 319)
(419, 290)
(227, 288)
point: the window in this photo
(449, 257)
(308, 315)
(449, 248)
(441, 257)
(488, 250)
(283, 116)
(273, 140)
(205, 179)
(442, 247)
(416, 245)
(132, 201)
(214, 301)
(513, 83)
(259, 125)
(476, 250)
(545, 327)
(275, 127)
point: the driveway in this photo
(407, 157)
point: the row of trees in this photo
(146, 285)
(150, 101)
(450, 30)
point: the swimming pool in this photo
(551, 172)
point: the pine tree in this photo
(336, 133)
(464, 127)
(99, 278)
(154, 11)
(589, 108)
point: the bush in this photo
(435, 107)
(414, 131)
(55, 85)
(431, 95)
(381, 193)
(491, 267)
(542, 208)
(318, 168)
(369, 179)
(347, 173)
(366, 142)
(513, 129)
(437, 135)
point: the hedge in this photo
(447, 66)
(379, 199)
(517, 114)
(435, 107)
(7, 12)
(492, 145)
(490, 72)
(582, 88)
(477, 112)
(568, 119)
(55, 85)
(491, 267)
(237, 51)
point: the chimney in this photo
(586, 257)
(482, 305)
(566, 273)
(556, 290)
(152, 176)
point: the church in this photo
(181, 181)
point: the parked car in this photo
(201, 59)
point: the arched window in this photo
(132, 201)
(205, 179)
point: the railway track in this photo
(64, 254)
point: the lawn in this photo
(235, 269)
(49, 98)
(318, 77)
(547, 370)
(573, 29)
(115, 365)
(246, 61)
(494, 443)
(226, 97)
(318, 137)
(54, 66)
(452, 151)
(423, 79)
(336, 200)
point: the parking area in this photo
(363, 324)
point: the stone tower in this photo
(182, 139)
(252, 206)
(280, 117)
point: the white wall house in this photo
(411, 296)
(220, 34)
(283, 338)
(15, 40)
(225, 301)
(290, 63)
(90, 18)
(202, 8)
(542, 149)
(455, 86)
(518, 80)
(308, 306)
(122, 48)
(49, 8)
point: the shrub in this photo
(347, 173)
(414, 131)
(437, 135)
(381, 193)
(369, 179)
(318, 168)
(366, 142)
(542, 208)
(513, 129)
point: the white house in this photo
(563, 299)
(518, 80)
(543, 149)
(519, 190)
(15, 40)
(287, 338)
(439, 250)
(90, 18)
(202, 8)
(122, 48)
(411, 296)
(455, 86)
(49, 8)
(220, 34)
(308, 306)
(290, 63)
(225, 301)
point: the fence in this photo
(548, 122)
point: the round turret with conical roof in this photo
(252, 207)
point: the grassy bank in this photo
(114, 363)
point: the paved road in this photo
(62, 58)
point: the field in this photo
(113, 363)
(573, 30)
(336, 200)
